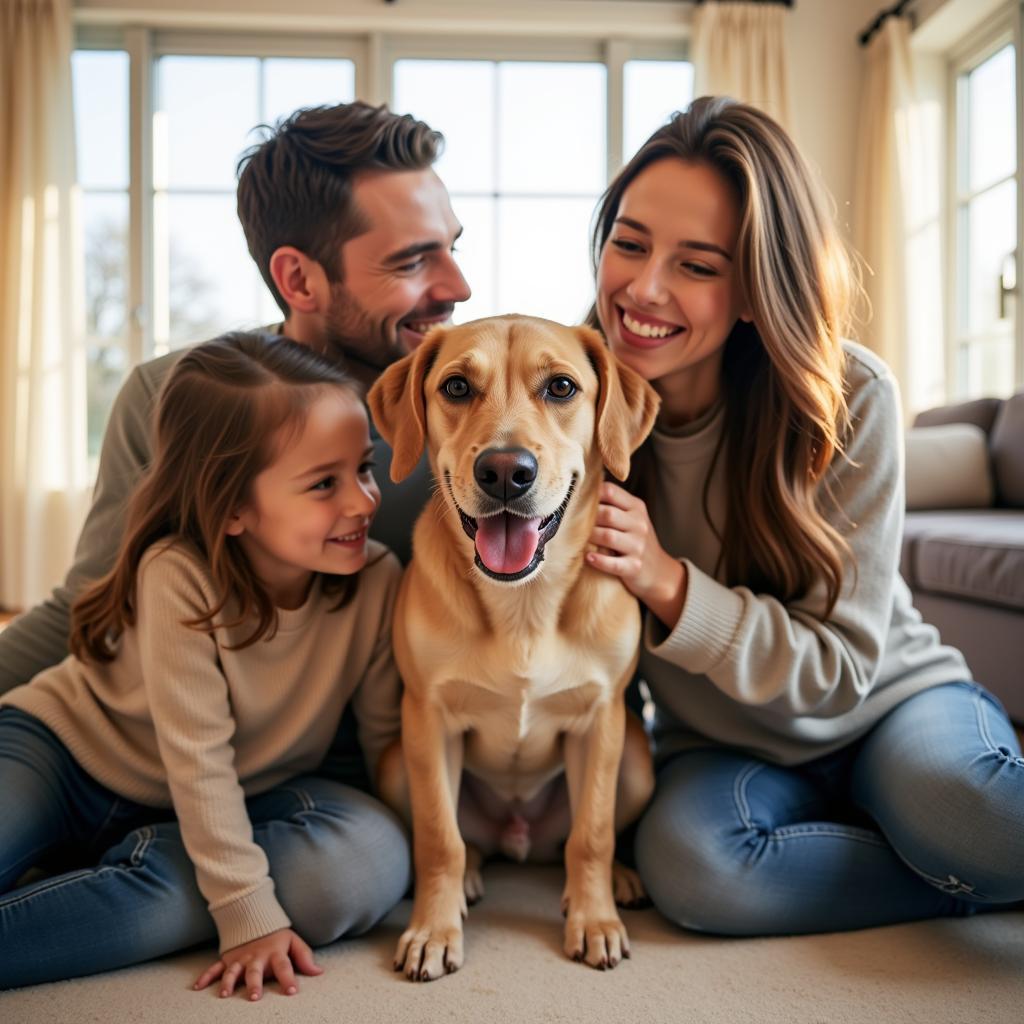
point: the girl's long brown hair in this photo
(783, 374)
(217, 421)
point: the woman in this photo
(825, 762)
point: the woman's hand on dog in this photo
(629, 549)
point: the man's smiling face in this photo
(399, 277)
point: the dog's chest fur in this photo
(514, 710)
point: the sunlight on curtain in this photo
(887, 129)
(739, 50)
(43, 473)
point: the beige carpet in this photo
(935, 972)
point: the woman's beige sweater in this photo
(777, 679)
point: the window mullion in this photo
(1018, 44)
(955, 106)
(374, 83)
(496, 179)
(615, 55)
(138, 43)
(967, 197)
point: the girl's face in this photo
(310, 509)
(668, 294)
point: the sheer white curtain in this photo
(43, 465)
(884, 143)
(739, 50)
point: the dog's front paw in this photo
(598, 939)
(427, 951)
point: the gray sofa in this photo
(963, 545)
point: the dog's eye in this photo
(456, 387)
(561, 387)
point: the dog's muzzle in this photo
(510, 544)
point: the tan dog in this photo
(515, 654)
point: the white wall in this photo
(827, 68)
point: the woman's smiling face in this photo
(668, 291)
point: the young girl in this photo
(209, 672)
(826, 762)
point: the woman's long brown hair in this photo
(217, 420)
(783, 374)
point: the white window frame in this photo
(374, 53)
(972, 51)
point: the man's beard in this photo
(352, 335)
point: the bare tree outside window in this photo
(191, 302)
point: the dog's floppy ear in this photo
(398, 405)
(626, 405)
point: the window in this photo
(533, 132)
(983, 359)
(205, 280)
(100, 93)
(524, 162)
(653, 90)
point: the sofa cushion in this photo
(976, 554)
(1007, 449)
(987, 636)
(981, 412)
(948, 467)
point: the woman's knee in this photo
(348, 866)
(964, 837)
(950, 804)
(692, 865)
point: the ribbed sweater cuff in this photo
(706, 626)
(250, 917)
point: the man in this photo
(353, 232)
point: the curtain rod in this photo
(889, 12)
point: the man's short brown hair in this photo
(295, 187)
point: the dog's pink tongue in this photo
(507, 543)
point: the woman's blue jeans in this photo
(923, 817)
(339, 860)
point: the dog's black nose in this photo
(505, 473)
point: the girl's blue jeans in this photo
(923, 817)
(339, 860)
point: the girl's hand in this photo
(631, 551)
(271, 954)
